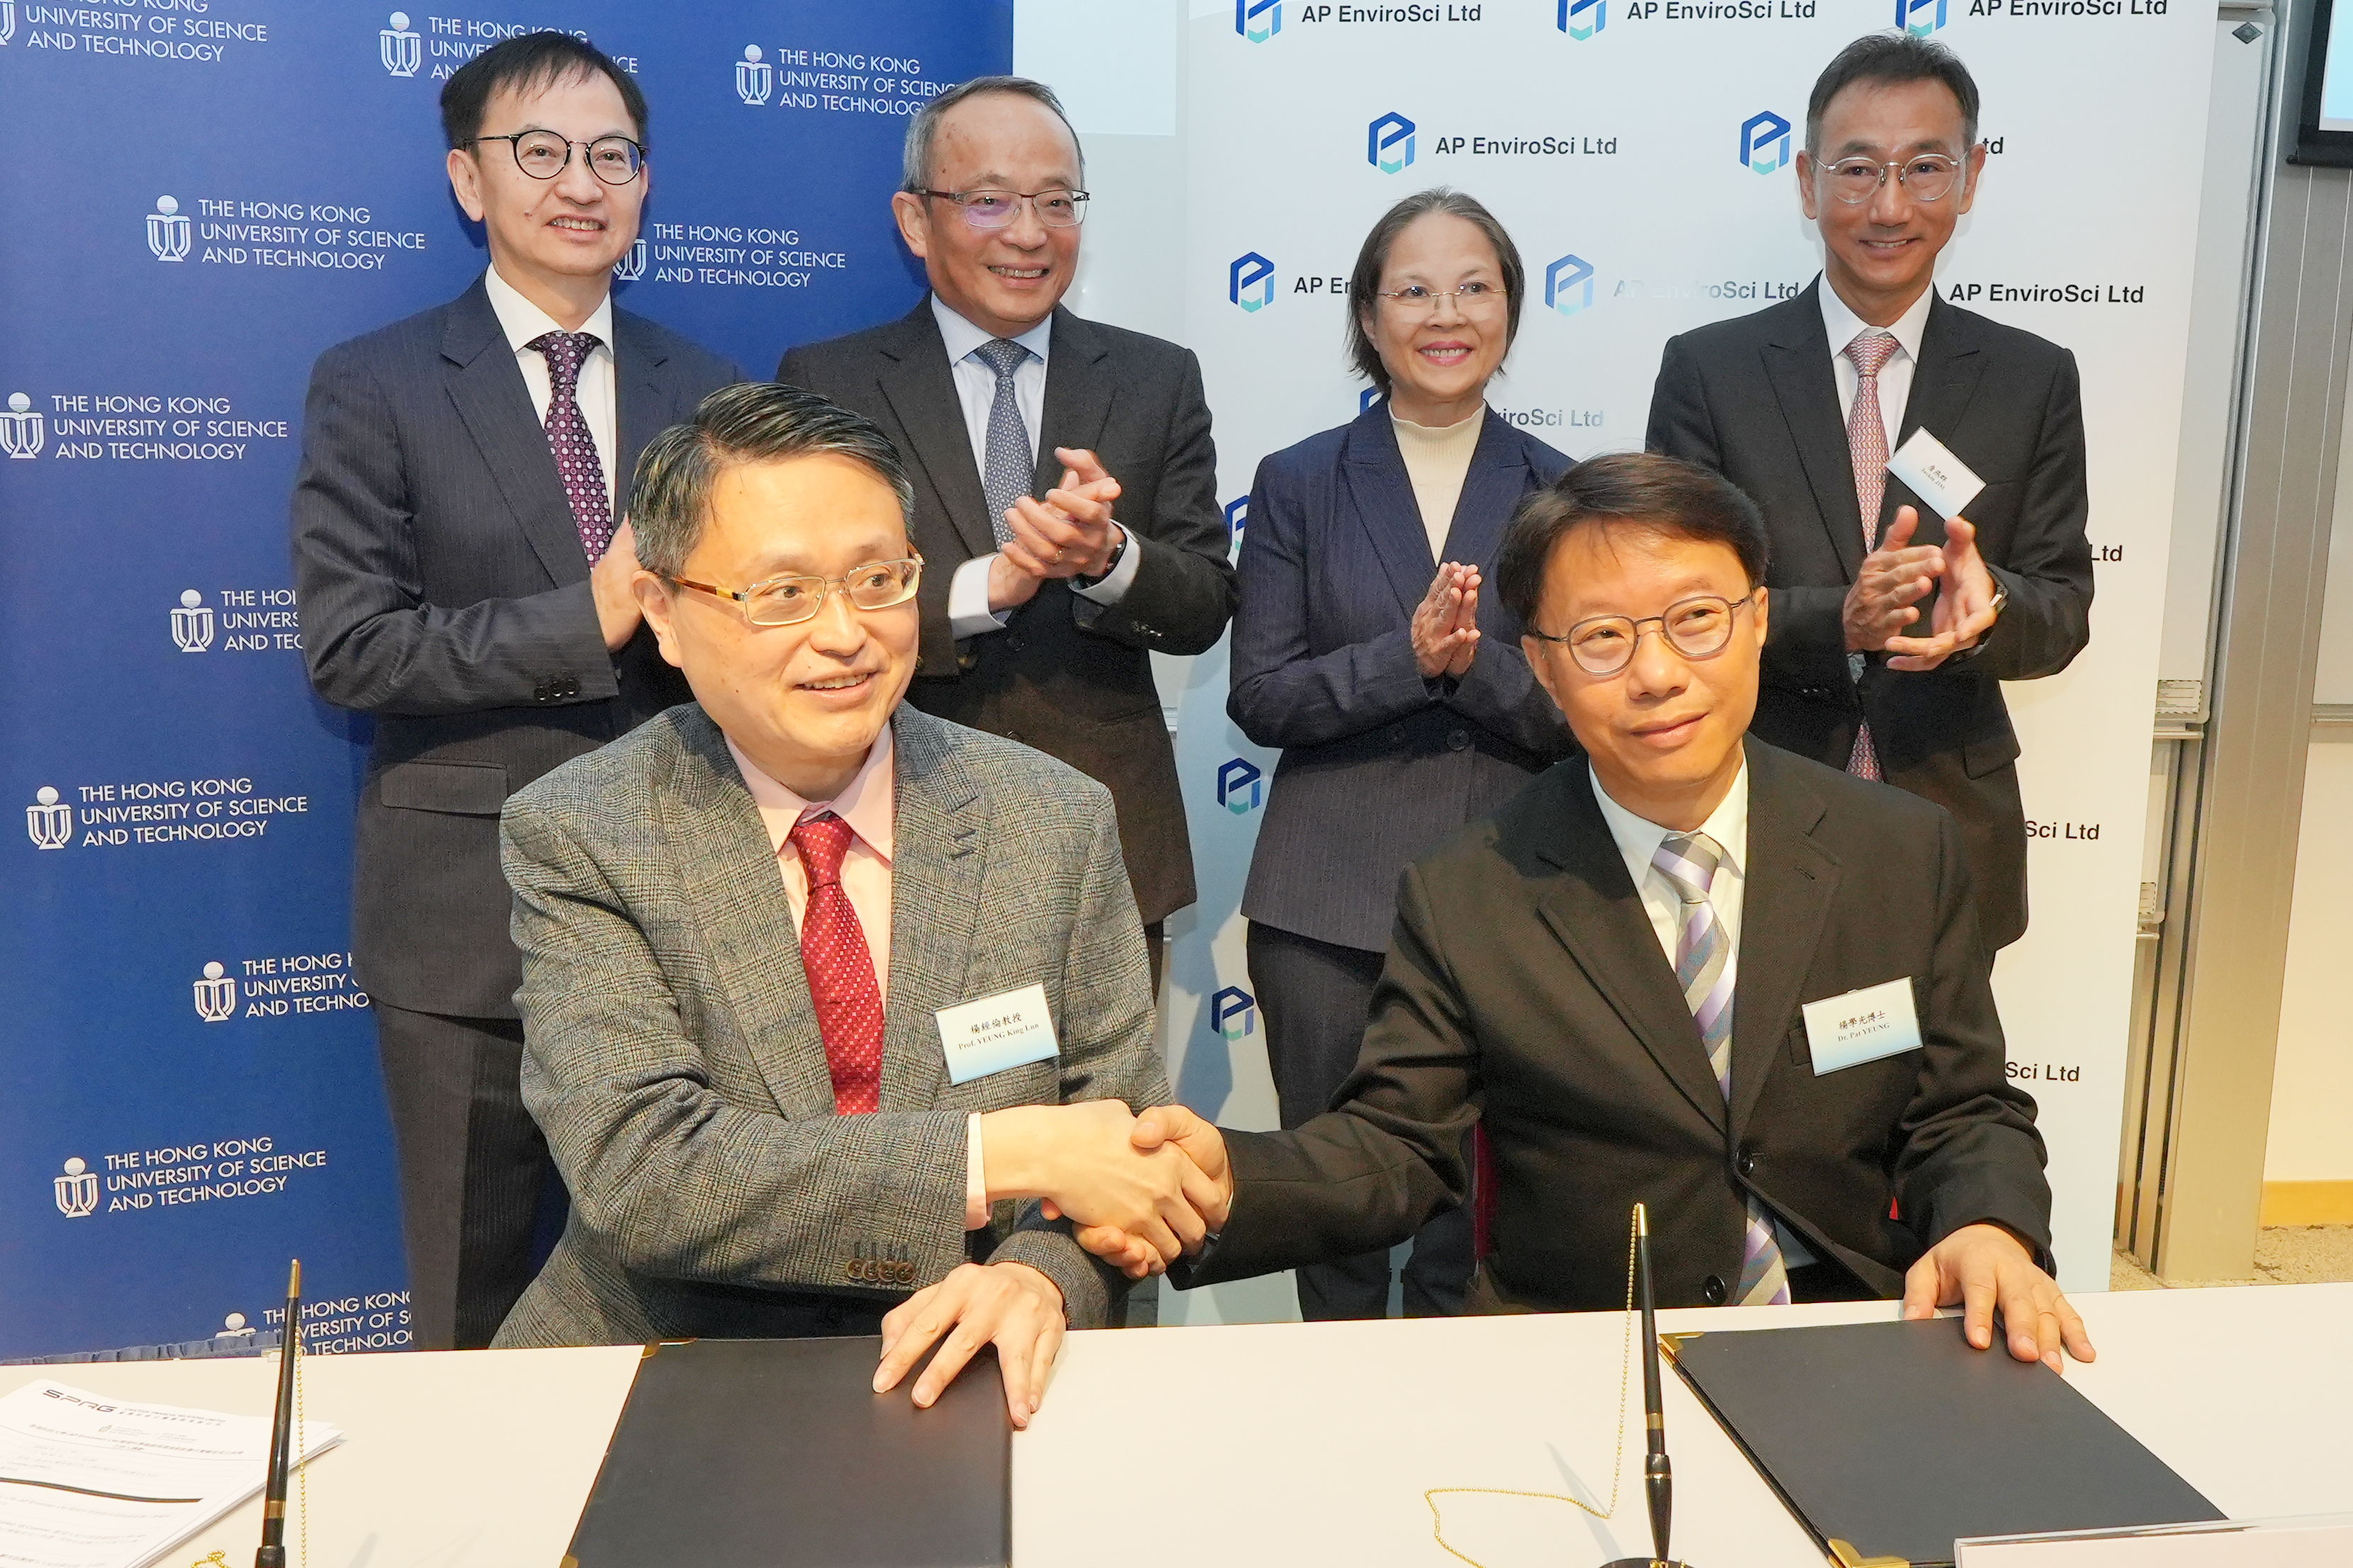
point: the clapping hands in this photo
(1445, 627)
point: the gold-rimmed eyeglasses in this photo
(787, 600)
(1697, 628)
(1416, 301)
(993, 209)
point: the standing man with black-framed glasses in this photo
(464, 573)
(1065, 484)
(1894, 629)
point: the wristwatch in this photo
(1111, 562)
(2001, 603)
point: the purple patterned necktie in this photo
(1866, 444)
(569, 438)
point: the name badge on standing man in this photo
(1934, 475)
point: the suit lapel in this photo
(1593, 909)
(1942, 383)
(644, 404)
(495, 406)
(1785, 901)
(731, 889)
(1498, 473)
(1797, 362)
(1374, 471)
(917, 384)
(938, 865)
(1080, 392)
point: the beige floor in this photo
(2302, 1255)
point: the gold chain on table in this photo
(1618, 1467)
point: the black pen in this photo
(1658, 1475)
(271, 1553)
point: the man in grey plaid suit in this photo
(829, 1005)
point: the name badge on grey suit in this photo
(1009, 1030)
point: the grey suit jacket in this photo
(444, 590)
(1068, 676)
(673, 1057)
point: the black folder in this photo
(1896, 1439)
(779, 1454)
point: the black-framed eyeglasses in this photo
(1924, 176)
(1697, 628)
(542, 155)
(789, 601)
(992, 208)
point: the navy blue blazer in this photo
(1378, 764)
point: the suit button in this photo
(1713, 1293)
(1746, 1163)
(1014, 643)
(1458, 740)
(539, 692)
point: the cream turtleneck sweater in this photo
(1437, 459)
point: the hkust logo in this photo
(1239, 784)
(77, 1190)
(192, 623)
(168, 230)
(632, 265)
(215, 994)
(1568, 284)
(1581, 19)
(754, 78)
(22, 429)
(1258, 20)
(1233, 1013)
(1388, 142)
(1764, 141)
(49, 821)
(1250, 281)
(7, 20)
(402, 48)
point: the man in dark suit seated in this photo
(463, 579)
(1613, 974)
(813, 981)
(1045, 600)
(1802, 402)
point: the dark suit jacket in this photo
(444, 590)
(1333, 565)
(1756, 399)
(1068, 676)
(1526, 989)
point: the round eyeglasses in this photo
(993, 209)
(1416, 301)
(1926, 177)
(1697, 628)
(542, 155)
(787, 600)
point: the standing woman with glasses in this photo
(1368, 648)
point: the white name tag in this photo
(996, 1033)
(1936, 476)
(1860, 1027)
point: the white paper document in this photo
(91, 1482)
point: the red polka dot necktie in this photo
(569, 438)
(841, 968)
(1866, 442)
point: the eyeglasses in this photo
(542, 155)
(1926, 177)
(1696, 627)
(994, 209)
(787, 600)
(1414, 301)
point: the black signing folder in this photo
(1895, 1439)
(779, 1454)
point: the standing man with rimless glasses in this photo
(1894, 629)
(1065, 484)
(464, 576)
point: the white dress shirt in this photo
(976, 388)
(1637, 841)
(1842, 326)
(522, 322)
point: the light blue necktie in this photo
(1004, 476)
(1704, 969)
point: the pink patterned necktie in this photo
(840, 968)
(569, 438)
(1866, 444)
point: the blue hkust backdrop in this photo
(204, 193)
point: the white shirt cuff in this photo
(976, 1176)
(968, 612)
(1114, 587)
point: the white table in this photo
(1282, 1442)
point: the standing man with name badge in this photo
(1920, 468)
(465, 577)
(1065, 483)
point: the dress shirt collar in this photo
(962, 337)
(1841, 325)
(865, 802)
(1639, 838)
(522, 320)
